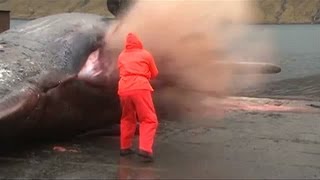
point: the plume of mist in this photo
(187, 37)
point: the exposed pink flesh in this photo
(266, 108)
(95, 69)
(263, 105)
(92, 67)
(63, 149)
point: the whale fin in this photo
(18, 103)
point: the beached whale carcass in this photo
(41, 94)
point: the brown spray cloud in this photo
(186, 38)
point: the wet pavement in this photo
(242, 145)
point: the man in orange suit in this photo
(137, 67)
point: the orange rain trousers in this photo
(138, 105)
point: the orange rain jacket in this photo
(136, 67)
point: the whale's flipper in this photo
(14, 107)
(18, 103)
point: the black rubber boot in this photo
(145, 156)
(126, 152)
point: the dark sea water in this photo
(295, 48)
